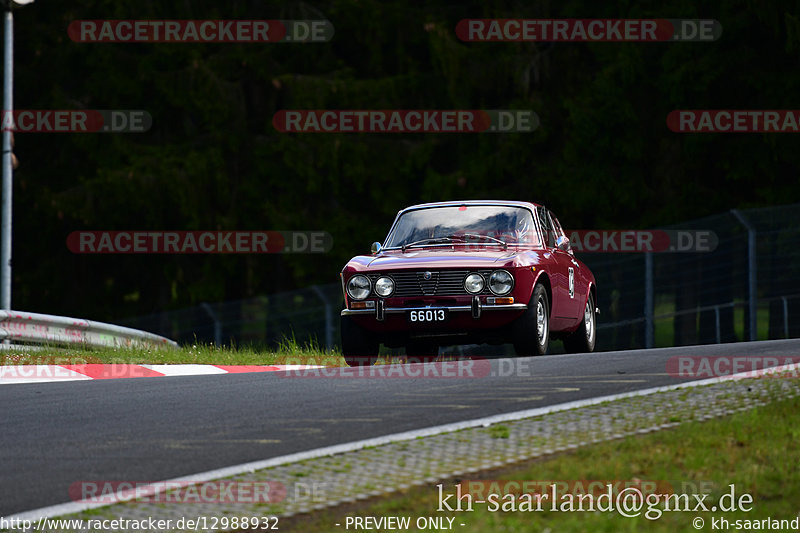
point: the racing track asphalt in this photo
(55, 434)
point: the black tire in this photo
(583, 339)
(529, 337)
(421, 352)
(359, 348)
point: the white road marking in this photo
(76, 507)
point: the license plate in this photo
(427, 316)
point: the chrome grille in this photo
(409, 283)
(428, 282)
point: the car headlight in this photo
(501, 282)
(358, 287)
(384, 286)
(474, 283)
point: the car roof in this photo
(509, 203)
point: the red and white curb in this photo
(45, 373)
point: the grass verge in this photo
(288, 352)
(755, 450)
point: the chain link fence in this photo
(748, 287)
(307, 316)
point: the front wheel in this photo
(532, 329)
(359, 347)
(583, 339)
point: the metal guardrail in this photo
(20, 326)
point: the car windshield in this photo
(465, 224)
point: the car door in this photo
(577, 282)
(562, 311)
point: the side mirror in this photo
(376, 248)
(562, 243)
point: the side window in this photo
(559, 231)
(547, 227)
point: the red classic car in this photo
(468, 273)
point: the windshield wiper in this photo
(454, 237)
(464, 236)
(434, 240)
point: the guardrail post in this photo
(751, 272)
(649, 306)
(716, 324)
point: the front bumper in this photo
(476, 308)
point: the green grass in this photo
(499, 432)
(289, 352)
(755, 450)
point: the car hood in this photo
(447, 258)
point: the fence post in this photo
(751, 271)
(785, 317)
(217, 325)
(328, 317)
(7, 162)
(649, 306)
